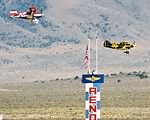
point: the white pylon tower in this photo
(93, 81)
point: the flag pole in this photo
(89, 61)
(96, 46)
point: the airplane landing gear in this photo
(36, 21)
(127, 52)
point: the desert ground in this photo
(124, 97)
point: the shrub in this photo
(76, 77)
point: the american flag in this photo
(86, 58)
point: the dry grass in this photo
(64, 100)
(126, 113)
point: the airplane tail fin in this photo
(134, 44)
(107, 43)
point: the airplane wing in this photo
(14, 13)
(38, 15)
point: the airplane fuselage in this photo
(119, 46)
(32, 14)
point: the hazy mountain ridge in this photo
(70, 21)
(56, 45)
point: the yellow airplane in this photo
(125, 45)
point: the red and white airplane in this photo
(31, 14)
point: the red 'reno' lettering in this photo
(92, 117)
(92, 90)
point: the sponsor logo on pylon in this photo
(93, 78)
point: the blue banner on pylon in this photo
(93, 78)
